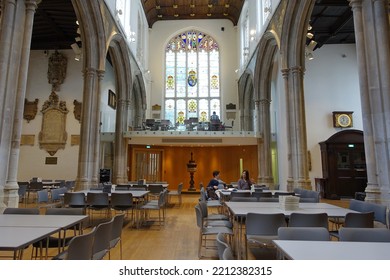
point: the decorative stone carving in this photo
(30, 109)
(53, 135)
(77, 110)
(56, 72)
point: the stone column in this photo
(89, 131)
(298, 176)
(372, 40)
(11, 187)
(264, 144)
(120, 176)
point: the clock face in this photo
(344, 120)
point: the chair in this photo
(34, 187)
(214, 221)
(243, 199)
(261, 229)
(303, 233)
(155, 190)
(22, 191)
(70, 185)
(239, 194)
(261, 194)
(221, 244)
(176, 193)
(364, 234)
(74, 200)
(21, 211)
(58, 241)
(116, 234)
(101, 241)
(356, 220)
(122, 202)
(156, 205)
(205, 231)
(56, 194)
(80, 247)
(42, 198)
(210, 203)
(205, 213)
(98, 201)
(308, 220)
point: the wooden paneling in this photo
(224, 159)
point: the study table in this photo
(239, 210)
(332, 250)
(19, 231)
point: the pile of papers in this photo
(289, 202)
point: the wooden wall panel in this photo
(224, 158)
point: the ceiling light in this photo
(76, 49)
(192, 5)
(310, 56)
(309, 27)
(210, 5)
(192, 15)
(158, 7)
(159, 16)
(309, 35)
(312, 45)
(77, 57)
(175, 6)
(176, 15)
(209, 14)
(227, 5)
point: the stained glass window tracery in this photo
(192, 77)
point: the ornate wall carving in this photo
(56, 72)
(30, 109)
(77, 110)
(53, 135)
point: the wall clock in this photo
(342, 119)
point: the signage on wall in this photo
(51, 160)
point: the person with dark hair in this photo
(245, 183)
(212, 187)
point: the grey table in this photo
(239, 210)
(332, 250)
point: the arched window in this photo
(192, 81)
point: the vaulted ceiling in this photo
(55, 20)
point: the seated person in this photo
(245, 183)
(212, 187)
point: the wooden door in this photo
(147, 164)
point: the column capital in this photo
(355, 4)
(32, 4)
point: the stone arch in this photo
(245, 100)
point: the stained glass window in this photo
(192, 77)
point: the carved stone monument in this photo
(53, 135)
(56, 72)
(30, 109)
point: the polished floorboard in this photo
(176, 240)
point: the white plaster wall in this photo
(331, 84)
(32, 158)
(160, 34)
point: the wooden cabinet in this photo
(344, 164)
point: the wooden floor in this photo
(177, 240)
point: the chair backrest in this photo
(269, 199)
(56, 194)
(69, 184)
(138, 188)
(74, 199)
(122, 187)
(264, 224)
(35, 186)
(80, 246)
(97, 199)
(243, 199)
(203, 207)
(359, 220)
(199, 216)
(228, 254)
(221, 244)
(239, 194)
(121, 199)
(64, 211)
(277, 194)
(380, 211)
(43, 196)
(22, 188)
(155, 189)
(101, 243)
(116, 232)
(308, 220)
(203, 195)
(303, 233)
(180, 188)
(364, 234)
(21, 211)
